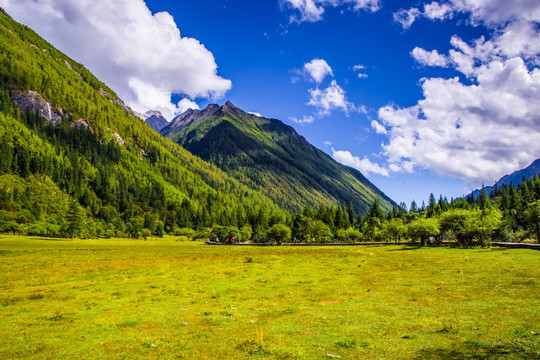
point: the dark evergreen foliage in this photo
(124, 176)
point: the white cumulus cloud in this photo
(304, 120)
(318, 70)
(483, 128)
(313, 10)
(474, 132)
(140, 55)
(378, 127)
(492, 13)
(438, 11)
(331, 98)
(407, 17)
(429, 58)
(186, 104)
(357, 69)
(325, 99)
(309, 10)
(363, 165)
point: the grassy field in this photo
(128, 299)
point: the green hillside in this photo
(273, 158)
(67, 141)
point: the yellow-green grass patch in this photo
(126, 299)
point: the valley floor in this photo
(129, 299)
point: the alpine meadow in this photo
(141, 219)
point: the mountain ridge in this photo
(267, 154)
(515, 178)
(186, 118)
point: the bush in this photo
(470, 225)
(37, 229)
(226, 233)
(10, 227)
(246, 232)
(187, 232)
(504, 235)
(423, 229)
(349, 235)
(279, 233)
(202, 234)
(145, 233)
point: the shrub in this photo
(10, 227)
(279, 233)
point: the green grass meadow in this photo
(165, 299)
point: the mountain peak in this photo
(188, 117)
(272, 158)
(230, 108)
(150, 113)
(229, 105)
(155, 119)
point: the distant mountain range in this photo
(516, 177)
(272, 158)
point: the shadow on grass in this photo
(408, 248)
(47, 238)
(450, 245)
(473, 349)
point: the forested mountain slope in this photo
(66, 137)
(271, 157)
(514, 178)
(517, 176)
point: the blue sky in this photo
(422, 97)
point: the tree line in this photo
(509, 214)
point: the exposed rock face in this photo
(81, 123)
(72, 69)
(189, 117)
(123, 106)
(5, 13)
(118, 138)
(103, 92)
(33, 102)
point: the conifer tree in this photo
(414, 207)
(74, 219)
(532, 216)
(376, 211)
(483, 199)
(350, 213)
